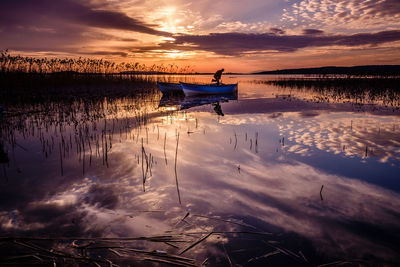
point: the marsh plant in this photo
(23, 64)
(361, 89)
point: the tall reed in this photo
(23, 64)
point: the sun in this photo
(177, 54)
(170, 20)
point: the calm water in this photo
(283, 177)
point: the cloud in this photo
(239, 43)
(347, 14)
(107, 53)
(277, 31)
(133, 28)
(52, 13)
(312, 31)
(70, 27)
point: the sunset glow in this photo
(240, 36)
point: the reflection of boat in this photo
(168, 100)
(192, 101)
(168, 88)
(196, 89)
(185, 102)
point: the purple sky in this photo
(238, 35)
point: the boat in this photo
(169, 88)
(202, 89)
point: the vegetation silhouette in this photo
(363, 90)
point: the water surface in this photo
(281, 176)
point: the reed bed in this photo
(26, 80)
(22, 64)
(369, 89)
(71, 105)
(83, 126)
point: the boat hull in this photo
(169, 88)
(208, 89)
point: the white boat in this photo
(169, 88)
(201, 89)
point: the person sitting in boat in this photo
(217, 76)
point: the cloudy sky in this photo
(241, 36)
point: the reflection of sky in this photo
(286, 151)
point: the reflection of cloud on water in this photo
(298, 149)
(333, 128)
(282, 195)
(286, 195)
(347, 134)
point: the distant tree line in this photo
(368, 70)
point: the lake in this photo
(273, 175)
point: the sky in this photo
(240, 36)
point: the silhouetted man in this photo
(217, 76)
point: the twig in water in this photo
(227, 256)
(176, 263)
(285, 251)
(222, 220)
(320, 192)
(165, 154)
(183, 219)
(234, 148)
(172, 245)
(338, 263)
(256, 146)
(176, 174)
(302, 255)
(143, 175)
(264, 256)
(18, 145)
(186, 215)
(196, 243)
(61, 162)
